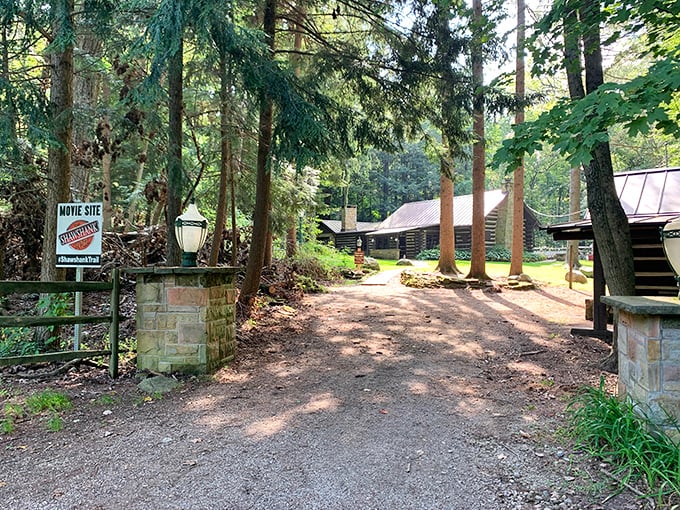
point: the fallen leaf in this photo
(384, 411)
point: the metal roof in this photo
(425, 213)
(647, 196)
(649, 191)
(335, 226)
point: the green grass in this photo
(619, 433)
(547, 272)
(47, 400)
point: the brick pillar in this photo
(186, 318)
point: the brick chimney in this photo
(349, 218)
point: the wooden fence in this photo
(26, 287)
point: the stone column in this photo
(186, 318)
(647, 330)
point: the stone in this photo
(404, 262)
(158, 384)
(576, 277)
(371, 263)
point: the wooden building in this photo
(343, 233)
(650, 199)
(414, 227)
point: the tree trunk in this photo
(517, 252)
(610, 224)
(258, 243)
(174, 205)
(86, 86)
(59, 153)
(291, 231)
(447, 240)
(107, 158)
(478, 256)
(10, 111)
(574, 209)
(225, 159)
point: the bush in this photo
(495, 254)
(620, 433)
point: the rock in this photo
(588, 271)
(523, 277)
(371, 263)
(576, 277)
(404, 262)
(158, 384)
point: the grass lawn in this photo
(548, 272)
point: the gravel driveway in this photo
(362, 398)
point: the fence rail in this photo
(29, 287)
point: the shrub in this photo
(620, 433)
(495, 254)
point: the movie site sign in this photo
(79, 235)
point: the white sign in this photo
(79, 234)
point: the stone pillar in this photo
(647, 330)
(186, 318)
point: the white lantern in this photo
(670, 236)
(191, 229)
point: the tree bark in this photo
(610, 223)
(291, 231)
(59, 152)
(174, 205)
(517, 251)
(478, 256)
(225, 159)
(86, 87)
(447, 239)
(574, 209)
(258, 243)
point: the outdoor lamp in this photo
(191, 229)
(670, 237)
(359, 242)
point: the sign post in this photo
(79, 244)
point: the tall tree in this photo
(258, 243)
(175, 114)
(478, 252)
(61, 117)
(517, 252)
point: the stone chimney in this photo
(349, 218)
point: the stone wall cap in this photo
(644, 305)
(182, 270)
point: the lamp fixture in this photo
(191, 230)
(670, 238)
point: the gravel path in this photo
(365, 398)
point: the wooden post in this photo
(115, 316)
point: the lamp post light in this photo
(191, 229)
(670, 237)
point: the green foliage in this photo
(48, 400)
(495, 254)
(17, 342)
(620, 433)
(646, 102)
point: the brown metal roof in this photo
(425, 213)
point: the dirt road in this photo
(366, 397)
